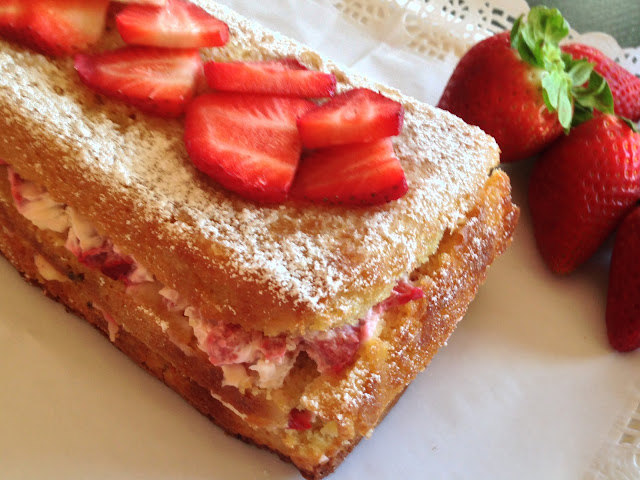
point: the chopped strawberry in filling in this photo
(273, 348)
(228, 344)
(334, 350)
(225, 344)
(17, 185)
(110, 263)
(36, 204)
(402, 293)
(300, 419)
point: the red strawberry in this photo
(177, 24)
(300, 419)
(581, 188)
(11, 9)
(247, 143)
(625, 86)
(12, 19)
(623, 299)
(158, 81)
(355, 116)
(357, 174)
(110, 263)
(157, 3)
(520, 93)
(55, 27)
(402, 293)
(277, 77)
(335, 349)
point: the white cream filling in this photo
(229, 406)
(82, 235)
(174, 301)
(271, 374)
(37, 205)
(48, 271)
(236, 375)
(44, 212)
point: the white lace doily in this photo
(444, 30)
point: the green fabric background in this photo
(619, 18)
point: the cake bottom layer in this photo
(386, 365)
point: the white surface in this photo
(527, 388)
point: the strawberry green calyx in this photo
(569, 87)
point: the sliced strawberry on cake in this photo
(157, 3)
(12, 19)
(277, 77)
(158, 81)
(176, 24)
(355, 116)
(54, 27)
(357, 174)
(247, 143)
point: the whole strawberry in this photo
(518, 87)
(623, 299)
(625, 86)
(581, 188)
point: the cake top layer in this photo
(290, 267)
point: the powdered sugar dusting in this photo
(302, 254)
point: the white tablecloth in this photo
(527, 387)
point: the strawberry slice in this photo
(177, 24)
(402, 293)
(12, 19)
(623, 297)
(356, 116)
(277, 77)
(300, 419)
(110, 263)
(247, 143)
(55, 27)
(156, 80)
(358, 174)
(334, 350)
(157, 3)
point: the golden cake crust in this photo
(288, 268)
(353, 402)
(280, 268)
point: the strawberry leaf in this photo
(632, 125)
(596, 94)
(581, 114)
(579, 71)
(569, 87)
(544, 27)
(553, 85)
